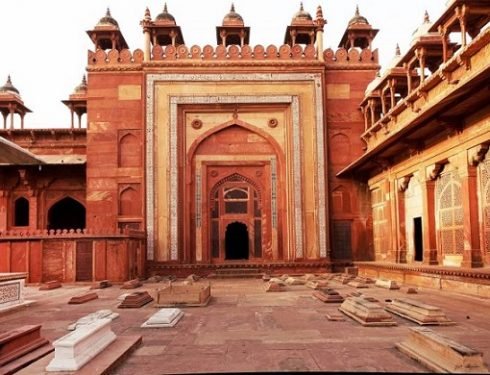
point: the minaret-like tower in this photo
(233, 30)
(302, 29)
(78, 102)
(106, 34)
(11, 103)
(162, 31)
(359, 33)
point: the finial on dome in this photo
(426, 17)
(319, 12)
(165, 10)
(147, 14)
(232, 9)
(301, 8)
(108, 12)
(397, 50)
(9, 81)
(357, 11)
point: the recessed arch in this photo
(129, 151)
(67, 213)
(21, 212)
(236, 241)
(129, 202)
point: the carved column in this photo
(4, 200)
(401, 227)
(431, 256)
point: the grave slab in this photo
(387, 284)
(369, 314)
(75, 349)
(87, 319)
(135, 300)
(175, 295)
(101, 284)
(418, 312)
(164, 318)
(132, 284)
(328, 295)
(441, 354)
(50, 285)
(82, 298)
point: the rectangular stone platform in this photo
(101, 284)
(132, 284)
(164, 318)
(369, 314)
(440, 354)
(135, 300)
(418, 312)
(175, 295)
(22, 346)
(317, 284)
(83, 298)
(12, 290)
(87, 319)
(387, 284)
(75, 349)
(328, 295)
(54, 284)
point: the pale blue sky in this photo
(44, 43)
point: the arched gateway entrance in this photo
(236, 241)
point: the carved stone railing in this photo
(65, 233)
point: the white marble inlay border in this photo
(174, 101)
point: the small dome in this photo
(358, 19)
(165, 16)
(8, 87)
(82, 87)
(422, 29)
(302, 15)
(107, 20)
(232, 17)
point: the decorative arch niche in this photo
(67, 213)
(21, 212)
(129, 150)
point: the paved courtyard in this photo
(245, 329)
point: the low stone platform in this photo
(369, 314)
(164, 318)
(132, 284)
(418, 312)
(176, 295)
(22, 346)
(90, 318)
(83, 298)
(316, 284)
(101, 284)
(135, 300)
(328, 295)
(387, 284)
(440, 354)
(50, 285)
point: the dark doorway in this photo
(21, 212)
(66, 214)
(417, 239)
(236, 241)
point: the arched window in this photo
(66, 214)
(21, 217)
(129, 203)
(129, 151)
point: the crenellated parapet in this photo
(68, 233)
(182, 53)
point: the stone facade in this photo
(259, 155)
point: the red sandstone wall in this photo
(115, 159)
(349, 200)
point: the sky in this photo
(43, 44)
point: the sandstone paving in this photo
(245, 329)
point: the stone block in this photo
(174, 295)
(335, 317)
(366, 313)
(166, 317)
(83, 298)
(418, 312)
(387, 284)
(135, 300)
(294, 281)
(318, 284)
(354, 271)
(358, 283)
(101, 284)
(90, 318)
(50, 285)
(275, 287)
(328, 295)
(132, 284)
(22, 346)
(440, 354)
(411, 291)
(75, 349)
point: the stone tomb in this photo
(101, 284)
(344, 278)
(53, 284)
(317, 284)
(166, 317)
(90, 318)
(196, 294)
(387, 284)
(328, 295)
(440, 354)
(358, 282)
(75, 349)
(135, 300)
(367, 313)
(22, 346)
(275, 286)
(12, 290)
(418, 312)
(132, 284)
(82, 298)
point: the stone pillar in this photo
(401, 227)
(392, 219)
(147, 53)
(429, 219)
(4, 196)
(319, 45)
